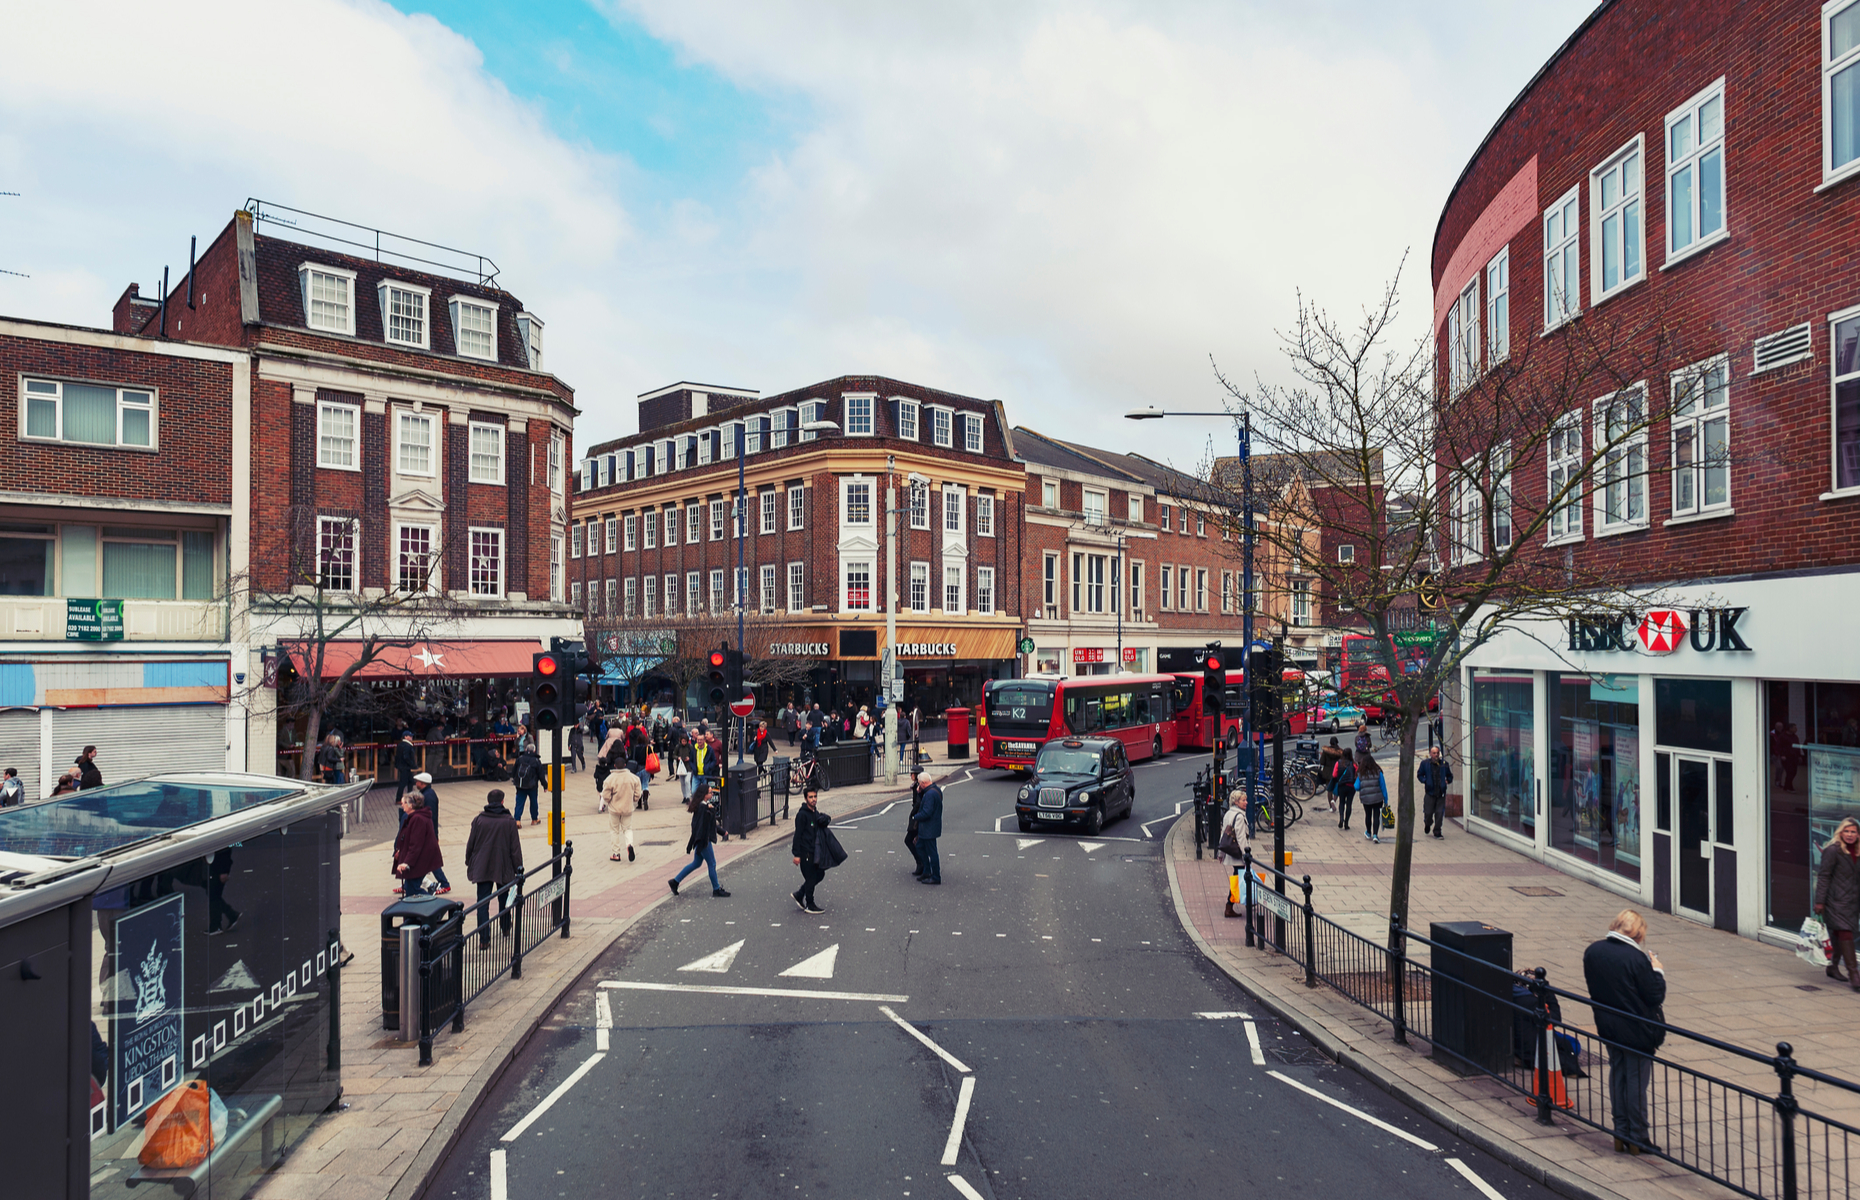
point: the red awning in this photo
(434, 659)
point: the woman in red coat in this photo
(416, 849)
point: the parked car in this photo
(1084, 782)
(1333, 714)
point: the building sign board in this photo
(146, 1050)
(93, 620)
(1659, 631)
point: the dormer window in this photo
(474, 327)
(404, 313)
(811, 411)
(329, 298)
(529, 330)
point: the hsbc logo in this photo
(1659, 631)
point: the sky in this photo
(1069, 207)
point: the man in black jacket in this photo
(810, 826)
(1623, 975)
(1434, 775)
(405, 760)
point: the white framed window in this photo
(1049, 583)
(629, 536)
(338, 429)
(416, 561)
(1163, 518)
(752, 435)
(1346, 553)
(1227, 591)
(1088, 591)
(694, 594)
(859, 415)
(649, 597)
(858, 501)
(1049, 493)
(984, 516)
(403, 312)
(613, 604)
(1201, 590)
(1181, 589)
(972, 433)
(952, 590)
(768, 588)
(706, 441)
(920, 506)
(952, 510)
(487, 452)
(671, 595)
(920, 587)
(90, 414)
(1136, 510)
(1695, 193)
(856, 593)
(1702, 437)
(613, 534)
(1201, 525)
(770, 500)
(1463, 338)
(907, 420)
(486, 561)
(555, 568)
(781, 426)
(1844, 343)
(336, 561)
(574, 540)
(717, 604)
(1094, 506)
(594, 536)
(731, 436)
(574, 595)
(1621, 467)
(1617, 249)
(1565, 462)
(671, 525)
(1562, 260)
(739, 596)
(415, 434)
(1498, 307)
(694, 524)
(1840, 88)
(530, 333)
(1502, 529)
(811, 411)
(474, 327)
(1136, 588)
(739, 511)
(1301, 602)
(558, 449)
(797, 506)
(629, 598)
(1468, 543)
(797, 586)
(1164, 597)
(649, 529)
(716, 520)
(329, 298)
(940, 426)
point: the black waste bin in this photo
(1472, 993)
(739, 799)
(421, 911)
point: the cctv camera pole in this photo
(891, 618)
(555, 794)
(1278, 792)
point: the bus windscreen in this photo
(1021, 706)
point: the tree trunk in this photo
(313, 737)
(1399, 888)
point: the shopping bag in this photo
(652, 764)
(183, 1127)
(1233, 888)
(1813, 947)
(1388, 816)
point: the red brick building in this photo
(1688, 175)
(654, 549)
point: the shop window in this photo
(1595, 788)
(1693, 714)
(1503, 788)
(1813, 782)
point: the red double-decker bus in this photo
(1195, 726)
(1364, 679)
(1019, 715)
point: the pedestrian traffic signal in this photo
(1265, 674)
(719, 663)
(548, 674)
(1213, 682)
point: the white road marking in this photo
(1013, 834)
(919, 1034)
(1145, 827)
(1179, 806)
(710, 989)
(1088, 847)
(954, 1144)
(500, 1188)
(1467, 1173)
(716, 963)
(962, 1186)
(603, 1020)
(818, 966)
(516, 1131)
(1403, 1134)
(1023, 843)
(1252, 1041)
(1220, 1016)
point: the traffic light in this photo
(1213, 681)
(549, 677)
(1265, 675)
(736, 676)
(719, 665)
(577, 670)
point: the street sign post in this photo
(743, 707)
(1421, 637)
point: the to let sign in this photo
(93, 620)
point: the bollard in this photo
(1399, 978)
(426, 1010)
(1785, 1110)
(1310, 937)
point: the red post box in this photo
(958, 719)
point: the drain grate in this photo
(1536, 891)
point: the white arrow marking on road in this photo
(1023, 843)
(716, 963)
(1088, 847)
(820, 966)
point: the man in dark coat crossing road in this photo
(929, 818)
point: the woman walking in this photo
(1232, 845)
(703, 833)
(1837, 897)
(810, 832)
(1343, 786)
(1372, 790)
(1328, 758)
(416, 846)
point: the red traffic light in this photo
(545, 665)
(716, 659)
(1213, 662)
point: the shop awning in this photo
(429, 659)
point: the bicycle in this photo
(808, 773)
(1294, 812)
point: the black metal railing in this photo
(1710, 1106)
(461, 957)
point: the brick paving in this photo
(1736, 989)
(400, 1117)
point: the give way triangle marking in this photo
(1088, 847)
(1023, 843)
(716, 963)
(820, 966)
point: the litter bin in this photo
(401, 924)
(958, 719)
(1472, 994)
(739, 799)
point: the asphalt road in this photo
(1070, 1042)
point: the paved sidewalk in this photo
(401, 1117)
(1735, 989)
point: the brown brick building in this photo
(1677, 185)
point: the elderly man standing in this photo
(1624, 975)
(929, 818)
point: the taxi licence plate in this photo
(1047, 816)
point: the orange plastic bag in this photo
(180, 1128)
(652, 764)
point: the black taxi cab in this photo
(1083, 782)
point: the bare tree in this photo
(1365, 420)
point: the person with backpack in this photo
(12, 791)
(1372, 789)
(527, 779)
(611, 757)
(577, 747)
(638, 751)
(1343, 786)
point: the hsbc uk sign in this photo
(1659, 631)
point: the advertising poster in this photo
(1627, 794)
(1587, 784)
(1833, 792)
(145, 1010)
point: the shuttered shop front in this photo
(19, 749)
(136, 740)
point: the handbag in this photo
(1230, 843)
(1813, 946)
(652, 763)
